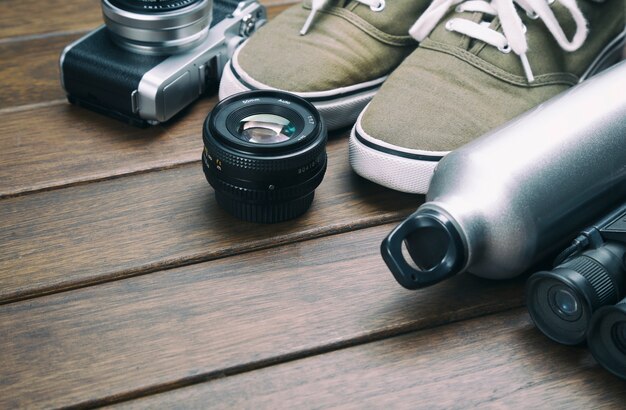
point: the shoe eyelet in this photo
(459, 9)
(524, 28)
(379, 7)
(506, 49)
(449, 25)
(532, 15)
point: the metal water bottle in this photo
(498, 204)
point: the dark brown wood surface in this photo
(122, 282)
(166, 329)
(497, 361)
(64, 145)
(126, 226)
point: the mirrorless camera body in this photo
(155, 57)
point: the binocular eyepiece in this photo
(607, 338)
(577, 300)
(562, 301)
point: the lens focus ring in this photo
(266, 193)
(159, 30)
(265, 165)
(152, 6)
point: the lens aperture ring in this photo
(267, 192)
(267, 165)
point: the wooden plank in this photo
(30, 70)
(155, 332)
(29, 73)
(96, 232)
(63, 144)
(20, 18)
(499, 361)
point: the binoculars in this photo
(583, 297)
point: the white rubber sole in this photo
(409, 170)
(398, 168)
(339, 107)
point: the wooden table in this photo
(123, 283)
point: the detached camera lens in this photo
(265, 153)
(562, 301)
(607, 338)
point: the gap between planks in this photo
(217, 318)
(282, 360)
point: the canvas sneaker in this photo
(479, 64)
(335, 54)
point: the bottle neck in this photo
(435, 247)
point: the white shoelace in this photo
(316, 5)
(514, 37)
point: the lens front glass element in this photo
(266, 129)
(564, 303)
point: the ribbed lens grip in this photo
(264, 213)
(261, 195)
(597, 276)
(260, 164)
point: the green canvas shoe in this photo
(478, 65)
(335, 54)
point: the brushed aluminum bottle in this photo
(500, 203)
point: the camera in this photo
(589, 274)
(152, 58)
(264, 154)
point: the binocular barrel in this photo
(607, 338)
(589, 274)
(562, 301)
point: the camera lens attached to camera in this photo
(265, 154)
(157, 27)
(155, 57)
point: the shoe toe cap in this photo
(438, 102)
(333, 54)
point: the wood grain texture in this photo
(167, 329)
(20, 18)
(94, 232)
(29, 73)
(499, 361)
(54, 144)
(63, 145)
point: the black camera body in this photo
(148, 63)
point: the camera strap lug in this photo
(134, 101)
